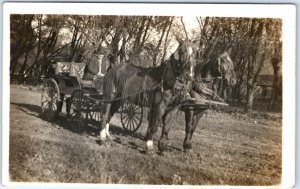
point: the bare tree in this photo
(166, 24)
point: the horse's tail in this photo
(109, 84)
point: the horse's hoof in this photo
(100, 142)
(163, 153)
(162, 149)
(150, 152)
(187, 148)
(162, 146)
(104, 142)
(111, 138)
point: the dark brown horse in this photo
(221, 67)
(148, 86)
(219, 73)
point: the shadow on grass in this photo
(88, 129)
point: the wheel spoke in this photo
(78, 111)
(53, 107)
(126, 122)
(130, 121)
(131, 116)
(49, 99)
(125, 115)
(136, 108)
(99, 116)
(137, 117)
(136, 123)
(122, 115)
(47, 105)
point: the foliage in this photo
(252, 43)
(37, 41)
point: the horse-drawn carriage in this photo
(128, 88)
(83, 99)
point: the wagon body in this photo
(83, 99)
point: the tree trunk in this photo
(145, 32)
(19, 46)
(39, 50)
(276, 66)
(250, 96)
(156, 51)
(13, 66)
(115, 45)
(166, 41)
(137, 41)
(275, 90)
(121, 52)
(21, 72)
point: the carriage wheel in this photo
(95, 112)
(131, 117)
(49, 99)
(76, 118)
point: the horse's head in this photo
(226, 69)
(183, 60)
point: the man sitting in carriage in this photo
(92, 67)
(96, 68)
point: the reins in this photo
(160, 84)
(143, 90)
(122, 97)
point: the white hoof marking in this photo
(103, 134)
(107, 129)
(149, 144)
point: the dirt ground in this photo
(229, 148)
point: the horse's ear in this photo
(229, 51)
(180, 41)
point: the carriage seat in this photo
(77, 69)
(73, 69)
(87, 83)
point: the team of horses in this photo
(156, 88)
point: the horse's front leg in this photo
(225, 93)
(167, 123)
(68, 106)
(191, 120)
(106, 116)
(60, 105)
(113, 109)
(215, 89)
(157, 107)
